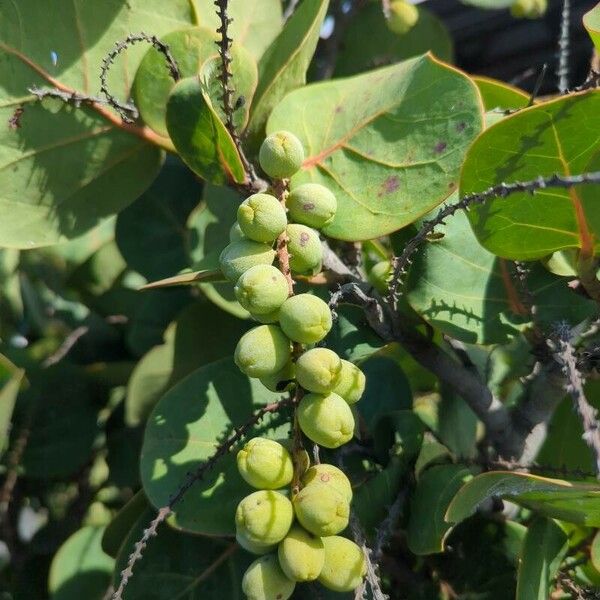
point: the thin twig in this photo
(128, 112)
(401, 263)
(192, 477)
(386, 528)
(564, 48)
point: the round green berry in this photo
(282, 380)
(329, 476)
(261, 218)
(253, 547)
(281, 155)
(265, 464)
(403, 16)
(379, 276)
(301, 555)
(344, 566)
(262, 351)
(321, 510)
(262, 289)
(312, 204)
(529, 9)
(304, 246)
(318, 370)
(265, 580)
(326, 420)
(239, 256)
(351, 383)
(305, 318)
(264, 517)
(235, 233)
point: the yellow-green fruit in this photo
(403, 16)
(304, 246)
(281, 155)
(261, 218)
(318, 370)
(262, 351)
(301, 555)
(262, 289)
(265, 580)
(312, 204)
(379, 275)
(529, 9)
(239, 256)
(264, 517)
(235, 233)
(253, 547)
(282, 380)
(329, 476)
(321, 510)
(326, 420)
(345, 565)
(351, 383)
(265, 464)
(305, 318)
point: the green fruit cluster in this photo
(296, 533)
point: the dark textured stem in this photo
(192, 477)
(564, 48)
(401, 263)
(128, 112)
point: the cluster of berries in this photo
(296, 538)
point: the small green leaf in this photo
(181, 566)
(543, 549)
(572, 502)
(283, 66)
(360, 50)
(457, 425)
(256, 23)
(499, 95)
(198, 133)
(80, 568)
(186, 427)
(187, 277)
(538, 141)
(591, 21)
(118, 529)
(427, 529)
(393, 144)
(595, 551)
(191, 48)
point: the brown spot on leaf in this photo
(304, 237)
(390, 185)
(339, 109)
(440, 147)
(460, 127)
(451, 185)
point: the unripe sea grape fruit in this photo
(321, 510)
(262, 289)
(265, 580)
(253, 547)
(235, 233)
(312, 204)
(305, 318)
(351, 383)
(326, 420)
(281, 155)
(345, 565)
(239, 256)
(301, 555)
(261, 218)
(264, 517)
(379, 275)
(329, 476)
(318, 370)
(304, 246)
(265, 464)
(282, 380)
(403, 16)
(529, 9)
(262, 351)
